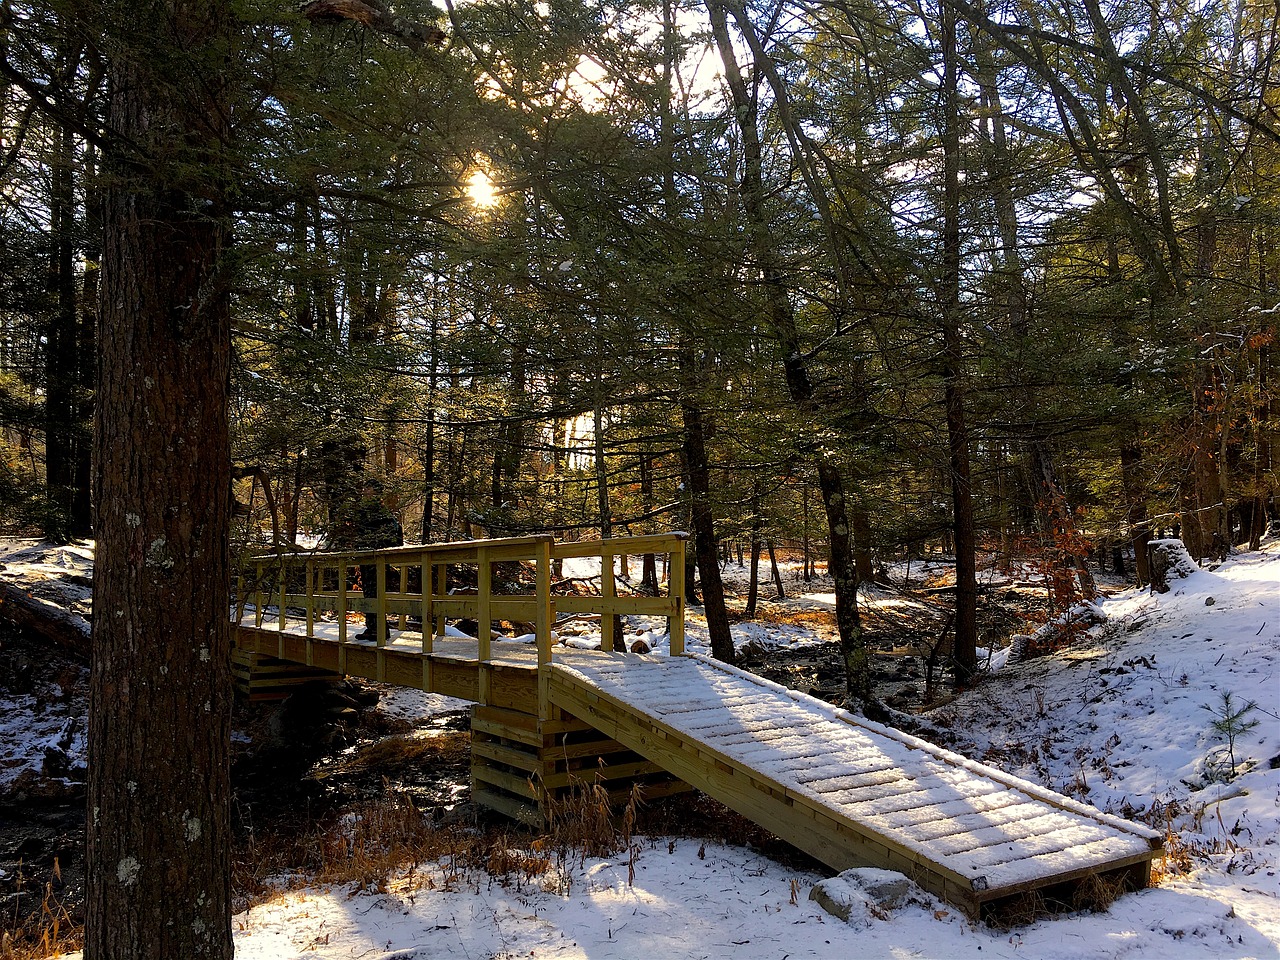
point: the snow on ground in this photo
(1124, 719)
(59, 574)
(405, 703)
(42, 728)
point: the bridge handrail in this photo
(275, 578)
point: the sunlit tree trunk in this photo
(158, 877)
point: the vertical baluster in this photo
(543, 617)
(675, 590)
(484, 620)
(427, 612)
(343, 569)
(607, 594)
(442, 591)
(485, 593)
(282, 583)
(380, 611)
(258, 574)
(428, 603)
(311, 599)
(380, 601)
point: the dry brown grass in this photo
(815, 620)
(388, 845)
(446, 747)
(50, 934)
(1096, 893)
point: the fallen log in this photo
(48, 620)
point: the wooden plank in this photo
(495, 729)
(512, 783)
(593, 750)
(508, 719)
(500, 753)
(515, 688)
(452, 551)
(521, 811)
(630, 606)
(528, 724)
(650, 543)
(589, 775)
(455, 679)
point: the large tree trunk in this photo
(705, 546)
(158, 878)
(964, 651)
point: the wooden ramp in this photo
(847, 791)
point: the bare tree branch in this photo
(376, 16)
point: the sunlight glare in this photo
(481, 190)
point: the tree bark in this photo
(964, 651)
(753, 577)
(776, 574)
(158, 877)
(704, 535)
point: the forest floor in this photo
(355, 836)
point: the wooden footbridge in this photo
(546, 718)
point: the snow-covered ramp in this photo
(847, 791)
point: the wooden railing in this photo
(412, 583)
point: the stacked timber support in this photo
(258, 677)
(524, 767)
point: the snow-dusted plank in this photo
(970, 820)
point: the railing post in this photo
(607, 594)
(258, 574)
(428, 604)
(427, 579)
(343, 568)
(311, 600)
(484, 623)
(484, 591)
(543, 616)
(675, 590)
(380, 611)
(380, 601)
(282, 584)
